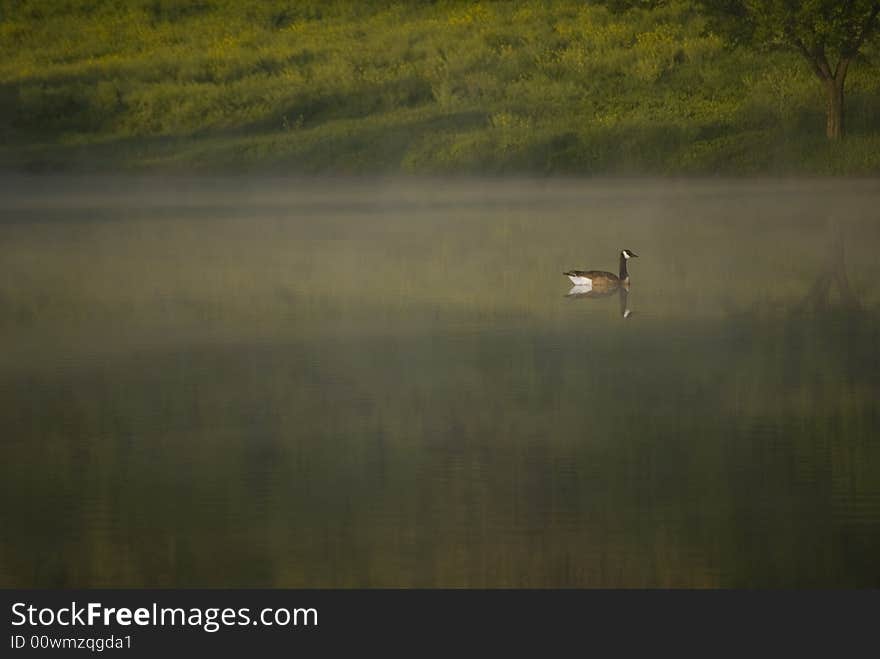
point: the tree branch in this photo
(822, 61)
(811, 59)
(841, 68)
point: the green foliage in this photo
(814, 25)
(563, 86)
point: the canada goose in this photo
(599, 280)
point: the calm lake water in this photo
(383, 383)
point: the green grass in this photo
(433, 88)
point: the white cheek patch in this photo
(626, 255)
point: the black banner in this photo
(146, 622)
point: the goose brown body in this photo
(602, 280)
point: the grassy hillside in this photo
(442, 87)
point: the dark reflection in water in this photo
(832, 276)
(586, 293)
(308, 395)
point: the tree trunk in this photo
(833, 81)
(834, 109)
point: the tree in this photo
(829, 34)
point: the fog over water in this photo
(383, 382)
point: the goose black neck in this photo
(623, 273)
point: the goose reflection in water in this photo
(588, 293)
